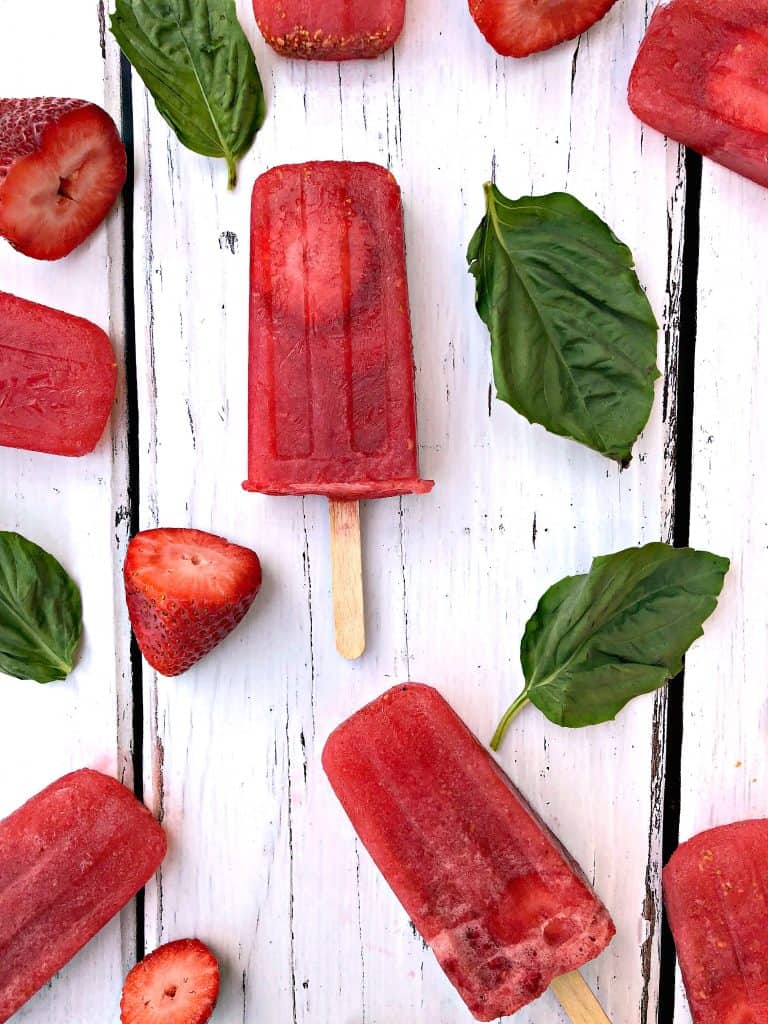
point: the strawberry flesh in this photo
(177, 984)
(186, 590)
(518, 28)
(62, 166)
(701, 78)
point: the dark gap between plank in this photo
(686, 372)
(132, 402)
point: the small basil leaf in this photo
(196, 61)
(598, 640)
(40, 612)
(573, 337)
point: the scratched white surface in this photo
(75, 508)
(263, 864)
(725, 756)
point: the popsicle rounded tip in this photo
(350, 647)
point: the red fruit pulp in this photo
(70, 859)
(331, 393)
(716, 895)
(57, 379)
(502, 905)
(701, 77)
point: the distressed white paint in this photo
(72, 507)
(263, 864)
(725, 753)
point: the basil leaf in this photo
(40, 612)
(598, 640)
(573, 337)
(196, 61)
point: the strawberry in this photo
(517, 28)
(186, 590)
(177, 984)
(62, 166)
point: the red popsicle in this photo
(57, 379)
(330, 29)
(331, 394)
(70, 859)
(700, 77)
(716, 894)
(503, 906)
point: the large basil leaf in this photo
(196, 61)
(573, 337)
(598, 640)
(40, 612)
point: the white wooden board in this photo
(263, 864)
(75, 508)
(725, 756)
(276, 881)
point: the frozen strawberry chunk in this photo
(62, 165)
(716, 895)
(518, 28)
(701, 77)
(330, 29)
(57, 379)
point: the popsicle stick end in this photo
(347, 578)
(578, 1000)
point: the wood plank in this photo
(263, 863)
(725, 759)
(75, 508)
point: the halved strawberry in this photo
(62, 165)
(186, 590)
(517, 28)
(177, 984)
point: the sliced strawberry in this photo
(62, 166)
(186, 590)
(315, 249)
(517, 28)
(177, 984)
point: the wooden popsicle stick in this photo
(347, 578)
(578, 1000)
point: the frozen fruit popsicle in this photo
(330, 29)
(70, 859)
(700, 79)
(716, 895)
(503, 906)
(331, 394)
(57, 379)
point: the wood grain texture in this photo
(725, 755)
(347, 578)
(263, 864)
(75, 508)
(578, 999)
